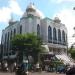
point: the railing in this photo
(56, 42)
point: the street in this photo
(35, 73)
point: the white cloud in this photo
(14, 6)
(67, 17)
(5, 12)
(60, 1)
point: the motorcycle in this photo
(19, 71)
(5, 67)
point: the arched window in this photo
(54, 36)
(8, 36)
(5, 40)
(11, 34)
(21, 29)
(59, 36)
(8, 41)
(14, 32)
(49, 34)
(38, 30)
(63, 37)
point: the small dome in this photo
(11, 21)
(56, 19)
(32, 10)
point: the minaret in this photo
(11, 21)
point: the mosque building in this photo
(52, 31)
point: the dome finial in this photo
(11, 20)
(31, 3)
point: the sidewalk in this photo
(45, 73)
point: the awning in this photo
(66, 59)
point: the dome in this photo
(32, 10)
(11, 21)
(56, 19)
(30, 7)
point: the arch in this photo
(66, 38)
(38, 30)
(63, 36)
(11, 35)
(54, 35)
(59, 36)
(8, 40)
(14, 31)
(21, 29)
(49, 34)
(5, 41)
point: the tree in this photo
(72, 52)
(27, 44)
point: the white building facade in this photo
(52, 32)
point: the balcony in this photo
(53, 45)
(49, 41)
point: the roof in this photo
(31, 9)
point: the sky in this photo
(49, 8)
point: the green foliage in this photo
(28, 44)
(72, 52)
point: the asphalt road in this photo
(35, 73)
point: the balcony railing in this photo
(49, 41)
(57, 42)
(54, 41)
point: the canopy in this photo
(66, 59)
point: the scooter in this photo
(20, 72)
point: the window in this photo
(8, 41)
(59, 36)
(5, 39)
(49, 34)
(63, 37)
(66, 39)
(54, 35)
(14, 31)
(10, 38)
(20, 29)
(11, 34)
(38, 30)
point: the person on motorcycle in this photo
(24, 67)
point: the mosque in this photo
(52, 31)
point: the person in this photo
(46, 67)
(6, 66)
(14, 66)
(38, 68)
(24, 66)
